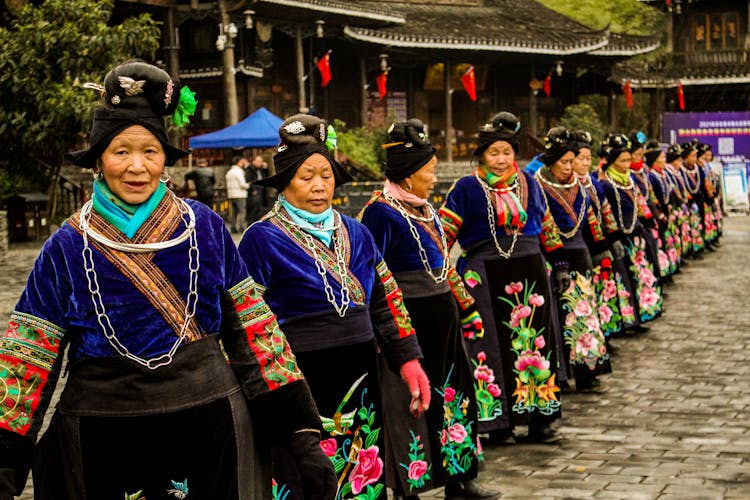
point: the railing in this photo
(712, 58)
(72, 195)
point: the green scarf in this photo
(619, 177)
(124, 216)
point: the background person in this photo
(237, 188)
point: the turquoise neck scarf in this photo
(319, 225)
(124, 216)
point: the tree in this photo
(46, 54)
(584, 117)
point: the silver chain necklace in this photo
(338, 249)
(396, 204)
(581, 212)
(93, 281)
(620, 215)
(665, 183)
(492, 216)
(594, 197)
(687, 176)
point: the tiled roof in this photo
(700, 69)
(354, 10)
(627, 45)
(520, 26)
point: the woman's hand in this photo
(419, 386)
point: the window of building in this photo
(718, 31)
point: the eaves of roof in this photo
(627, 45)
(352, 10)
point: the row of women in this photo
(324, 357)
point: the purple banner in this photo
(727, 132)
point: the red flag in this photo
(547, 87)
(470, 84)
(382, 80)
(627, 90)
(681, 97)
(324, 65)
(669, 3)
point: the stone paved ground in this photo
(672, 421)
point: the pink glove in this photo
(419, 386)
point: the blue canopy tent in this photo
(259, 130)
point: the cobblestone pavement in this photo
(671, 421)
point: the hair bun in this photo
(652, 145)
(409, 132)
(583, 137)
(301, 129)
(136, 83)
(505, 122)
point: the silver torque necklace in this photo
(396, 204)
(492, 216)
(559, 187)
(93, 281)
(620, 215)
(339, 252)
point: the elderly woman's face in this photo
(582, 162)
(562, 169)
(622, 163)
(422, 182)
(132, 164)
(499, 157)
(312, 186)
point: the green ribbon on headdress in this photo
(185, 107)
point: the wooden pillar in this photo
(448, 113)
(363, 86)
(532, 128)
(300, 71)
(612, 110)
(231, 111)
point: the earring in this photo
(165, 176)
(98, 176)
(409, 187)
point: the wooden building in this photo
(239, 55)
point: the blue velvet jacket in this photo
(280, 260)
(464, 214)
(144, 295)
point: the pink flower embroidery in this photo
(570, 319)
(582, 308)
(536, 300)
(329, 447)
(494, 389)
(443, 437)
(485, 373)
(417, 469)
(513, 287)
(623, 294)
(627, 311)
(586, 343)
(449, 394)
(539, 342)
(593, 323)
(457, 433)
(610, 290)
(518, 313)
(649, 297)
(531, 358)
(368, 469)
(605, 313)
(481, 356)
